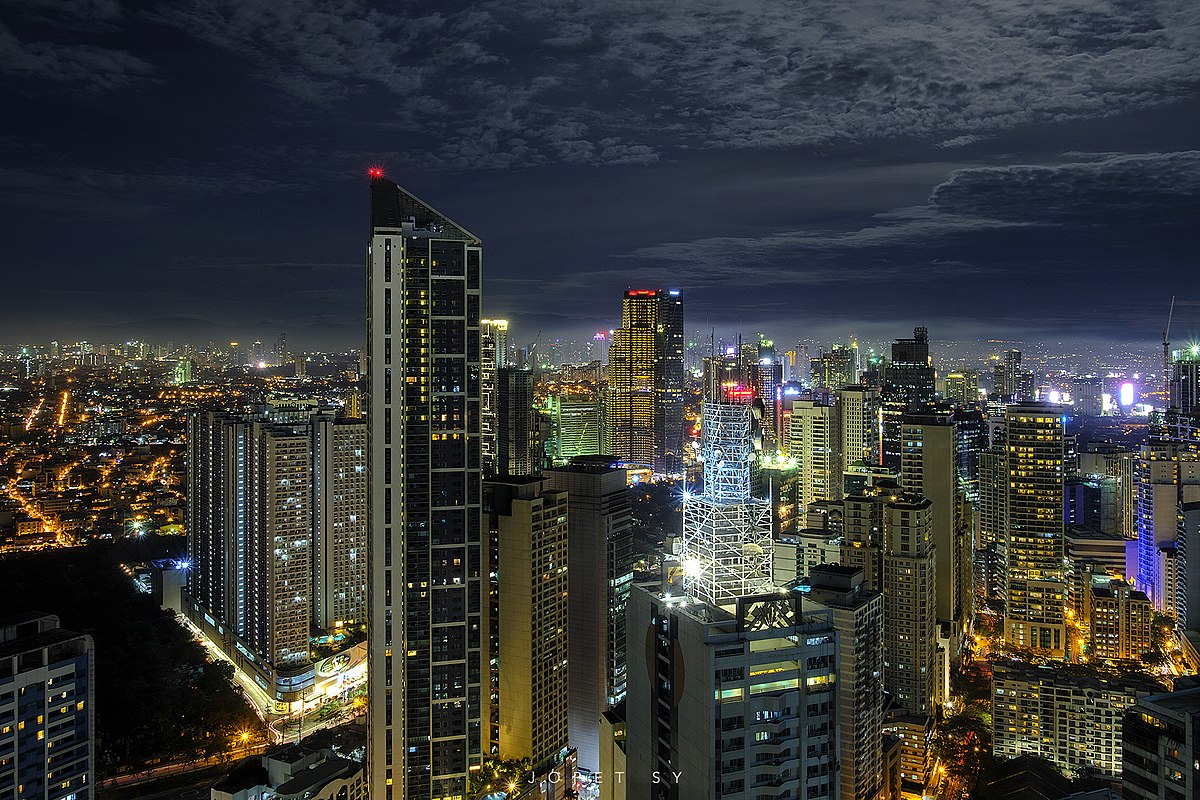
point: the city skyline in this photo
(789, 175)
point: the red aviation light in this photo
(642, 293)
(375, 172)
(738, 394)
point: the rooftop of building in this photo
(1186, 701)
(1080, 675)
(1028, 777)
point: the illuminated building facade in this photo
(1035, 466)
(424, 592)
(837, 368)
(1119, 619)
(528, 554)
(339, 448)
(726, 544)
(47, 722)
(814, 442)
(1067, 715)
(249, 524)
(859, 416)
(576, 427)
(1185, 380)
(645, 381)
(600, 574)
(962, 388)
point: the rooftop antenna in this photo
(1167, 356)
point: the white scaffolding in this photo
(726, 548)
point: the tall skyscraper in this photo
(962, 388)
(576, 427)
(908, 380)
(1035, 464)
(929, 460)
(339, 507)
(1185, 380)
(600, 573)
(527, 623)
(859, 412)
(815, 443)
(47, 721)
(858, 617)
(515, 437)
(645, 381)
(910, 603)
(249, 523)
(425, 594)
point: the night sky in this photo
(989, 168)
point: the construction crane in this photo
(1167, 356)
(529, 351)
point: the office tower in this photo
(779, 481)
(929, 460)
(249, 524)
(720, 371)
(814, 442)
(1161, 747)
(1185, 379)
(235, 354)
(910, 603)
(280, 352)
(858, 617)
(908, 380)
(836, 368)
(962, 388)
(765, 377)
(576, 427)
(353, 408)
(339, 509)
(1067, 715)
(1118, 619)
(859, 412)
(645, 381)
(599, 573)
(424, 593)
(971, 430)
(735, 703)
(47, 727)
(1087, 395)
(516, 441)
(1165, 478)
(1035, 455)
(862, 532)
(528, 553)
(726, 543)
(493, 355)
(1006, 376)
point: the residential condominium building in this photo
(814, 443)
(1035, 588)
(47, 727)
(425, 592)
(599, 576)
(250, 537)
(526, 626)
(339, 498)
(1068, 715)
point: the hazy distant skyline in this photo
(196, 170)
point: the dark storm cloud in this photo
(74, 65)
(524, 82)
(781, 161)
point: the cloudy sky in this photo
(195, 169)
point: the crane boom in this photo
(1167, 356)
